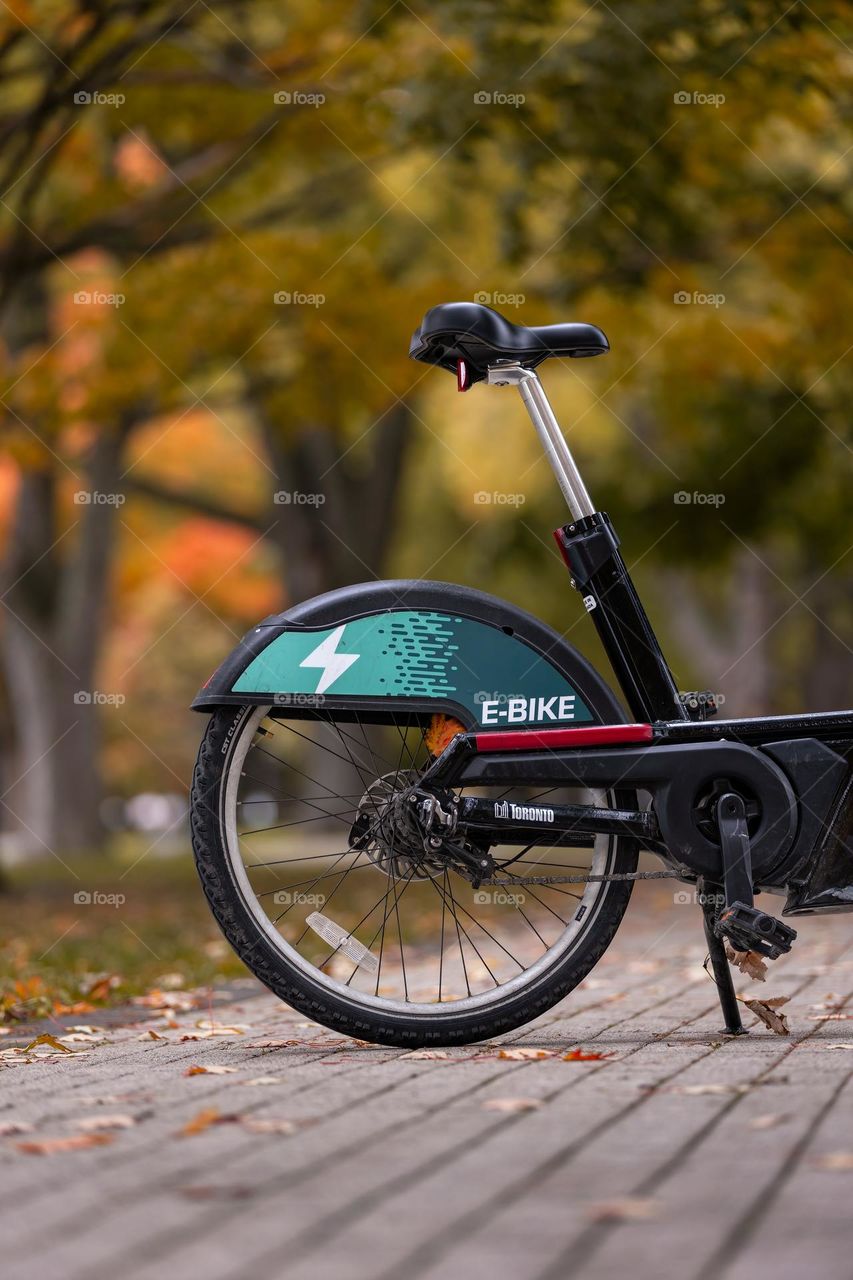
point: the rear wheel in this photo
(324, 900)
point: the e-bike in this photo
(417, 811)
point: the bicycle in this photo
(415, 809)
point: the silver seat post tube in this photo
(548, 429)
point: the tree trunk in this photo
(51, 642)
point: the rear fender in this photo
(413, 645)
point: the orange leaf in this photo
(53, 1146)
(201, 1121)
(578, 1055)
(48, 1040)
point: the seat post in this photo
(548, 429)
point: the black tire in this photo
(314, 999)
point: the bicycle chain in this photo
(617, 875)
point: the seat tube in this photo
(553, 441)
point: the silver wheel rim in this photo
(593, 897)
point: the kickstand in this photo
(711, 898)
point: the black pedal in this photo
(749, 929)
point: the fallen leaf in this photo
(625, 1209)
(845, 1044)
(511, 1105)
(749, 962)
(80, 1037)
(90, 1123)
(769, 1121)
(10, 1127)
(696, 1090)
(182, 1001)
(87, 1030)
(102, 985)
(834, 1161)
(526, 1055)
(150, 1035)
(47, 1039)
(268, 1126)
(260, 1080)
(219, 1029)
(425, 1054)
(209, 1071)
(54, 1146)
(578, 1055)
(201, 1120)
(766, 1011)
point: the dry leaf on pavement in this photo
(425, 1054)
(511, 1105)
(55, 1146)
(766, 1011)
(696, 1090)
(769, 1121)
(200, 1121)
(49, 1040)
(8, 1128)
(90, 1123)
(261, 1080)
(209, 1071)
(526, 1055)
(625, 1209)
(578, 1055)
(268, 1126)
(834, 1161)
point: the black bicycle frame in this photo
(590, 549)
(801, 767)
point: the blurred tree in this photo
(360, 163)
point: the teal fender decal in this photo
(419, 654)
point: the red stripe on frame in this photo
(594, 735)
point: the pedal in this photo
(749, 929)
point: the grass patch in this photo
(93, 935)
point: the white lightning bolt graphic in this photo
(333, 664)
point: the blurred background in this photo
(219, 225)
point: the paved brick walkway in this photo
(679, 1155)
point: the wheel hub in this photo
(407, 832)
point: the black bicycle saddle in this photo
(481, 337)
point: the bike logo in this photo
(525, 710)
(326, 657)
(522, 812)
